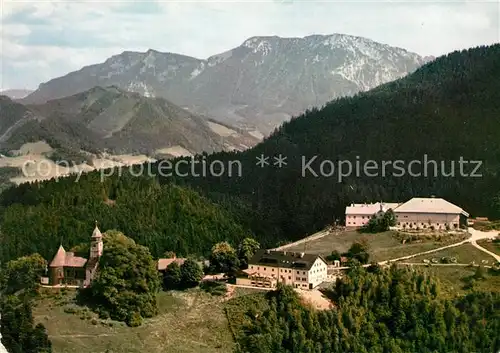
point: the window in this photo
(264, 268)
(272, 269)
(303, 272)
(289, 277)
(298, 272)
(251, 266)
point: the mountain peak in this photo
(261, 83)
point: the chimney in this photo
(268, 251)
(284, 252)
(302, 255)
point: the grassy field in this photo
(189, 322)
(465, 254)
(383, 246)
(488, 245)
(453, 279)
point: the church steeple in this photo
(96, 233)
(96, 244)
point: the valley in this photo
(34, 162)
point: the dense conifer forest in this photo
(37, 218)
(396, 310)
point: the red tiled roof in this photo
(74, 261)
(59, 258)
(163, 263)
(67, 259)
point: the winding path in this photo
(475, 236)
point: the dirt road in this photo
(475, 236)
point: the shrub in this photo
(214, 288)
(134, 319)
(71, 310)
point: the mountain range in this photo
(117, 121)
(261, 83)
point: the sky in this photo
(44, 39)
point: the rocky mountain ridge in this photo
(262, 82)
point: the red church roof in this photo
(59, 259)
(67, 259)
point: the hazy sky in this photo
(44, 39)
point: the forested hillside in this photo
(386, 311)
(447, 110)
(38, 217)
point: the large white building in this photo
(419, 212)
(358, 214)
(431, 212)
(266, 268)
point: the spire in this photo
(96, 233)
(59, 259)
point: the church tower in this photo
(96, 244)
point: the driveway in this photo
(478, 235)
(475, 236)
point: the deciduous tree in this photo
(191, 273)
(224, 259)
(127, 281)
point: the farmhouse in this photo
(266, 268)
(431, 212)
(358, 215)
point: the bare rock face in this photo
(262, 83)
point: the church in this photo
(70, 270)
